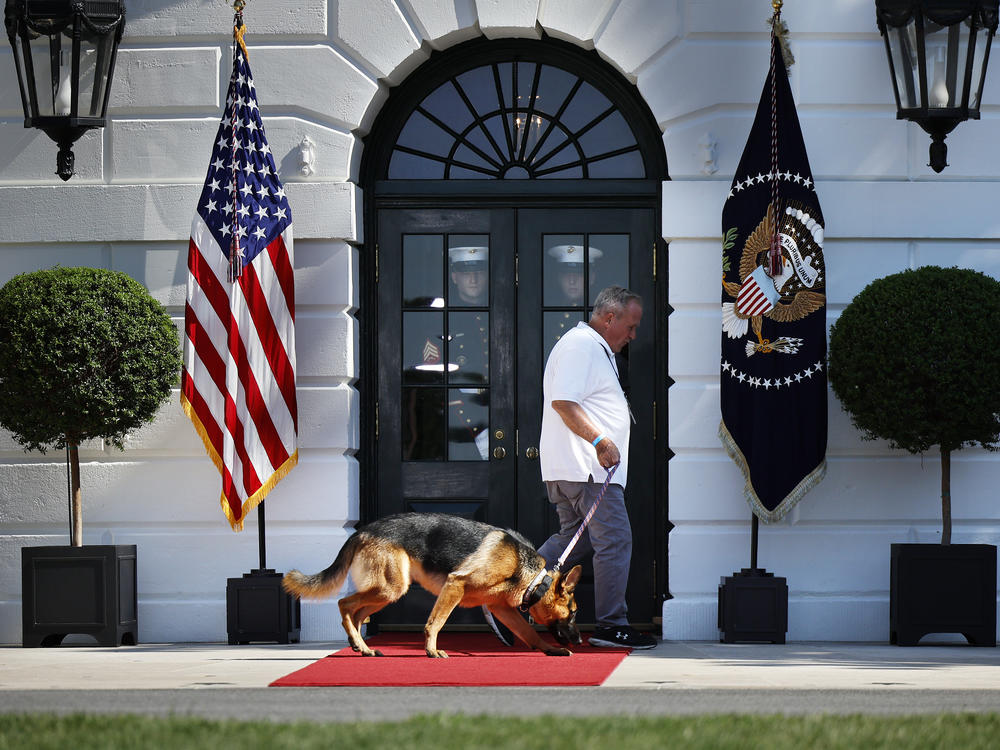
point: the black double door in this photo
(470, 302)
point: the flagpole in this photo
(257, 606)
(261, 544)
(753, 603)
(774, 253)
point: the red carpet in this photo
(476, 659)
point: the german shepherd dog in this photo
(464, 563)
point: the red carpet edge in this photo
(475, 660)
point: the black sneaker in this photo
(623, 636)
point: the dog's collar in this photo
(538, 588)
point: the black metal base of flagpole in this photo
(753, 606)
(258, 609)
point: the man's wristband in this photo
(598, 439)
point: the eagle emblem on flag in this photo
(790, 295)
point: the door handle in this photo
(499, 452)
(532, 452)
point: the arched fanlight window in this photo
(515, 119)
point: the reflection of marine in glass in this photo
(469, 276)
(468, 332)
(469, 346)
(467, 349)
(468, 412)
(430, 432)
(566, 287)
(469, 361)
(567, 270)
(423, 412)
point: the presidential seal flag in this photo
(773, 370)
(238, 381)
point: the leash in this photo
(586, 520)
(504, 639)
(541, 583)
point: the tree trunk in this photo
(945, 496)
(76, 530)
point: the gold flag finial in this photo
(780, 29)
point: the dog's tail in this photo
(326, 583)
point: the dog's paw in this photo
(436, 654)
(558, 652)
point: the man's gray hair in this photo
(614, 299)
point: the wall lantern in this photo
(65, 52)
(938, 51)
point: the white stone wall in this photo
(323, 69)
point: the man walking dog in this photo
(586, 421)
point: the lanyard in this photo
(618, 377)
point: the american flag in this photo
(238, 383)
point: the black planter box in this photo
(753, 606)
(259, 609)
(943, 588)
(89, 590)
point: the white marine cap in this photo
(573, 254)
(468, 258)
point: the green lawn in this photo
(448, 731)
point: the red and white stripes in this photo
(238, 384)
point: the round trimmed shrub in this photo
(84, 353)
(915, 360)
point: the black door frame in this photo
(596, 193)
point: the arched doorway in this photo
(506, 182)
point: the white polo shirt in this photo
(581, 369)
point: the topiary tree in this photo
(84, 353)
(915, 360)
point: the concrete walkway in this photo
(676, 677)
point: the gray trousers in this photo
(608, 538)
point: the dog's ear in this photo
(571, 579)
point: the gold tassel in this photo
(239, 28)
(813, 478)
(238, 32)
(258, 497)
